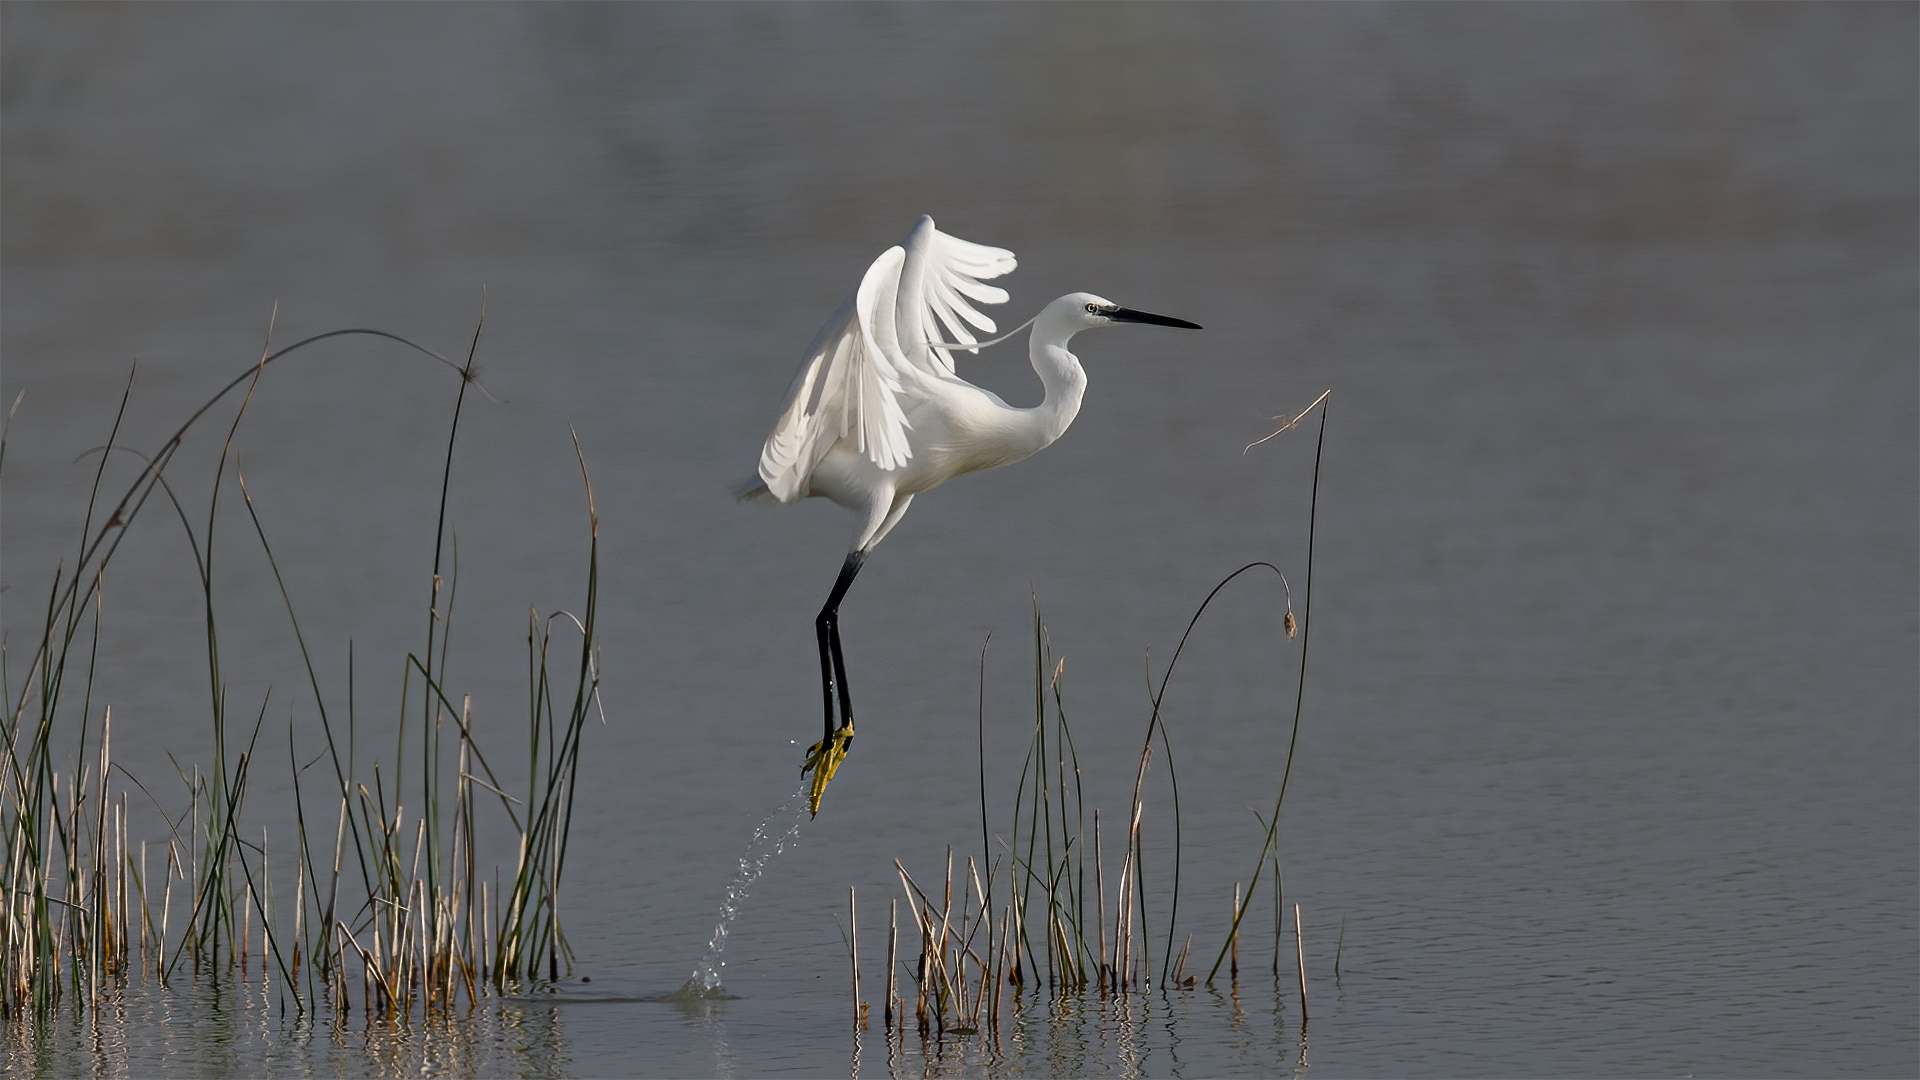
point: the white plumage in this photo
(875, 352)
(878, 415)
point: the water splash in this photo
(769, 839)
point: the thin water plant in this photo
(77, 902)
(960, 966)
(1065, 926)
(1060, 930)
(1269, 848)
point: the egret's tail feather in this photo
(753, 489)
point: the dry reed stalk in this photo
(299, 913)
(958, 942)
(853, 954)
(955, 981)
(125, 863)
(1099, 907)
(893, 942)
(939, 976)
(246, 930)
(146, 918)
(1019, 935)
(166, 914)
(1127, 952)
(946, 907)
(1000, 963)
(263, 901)
(1233, 936)
(925, 973)
(983, 916)
(1300, 961)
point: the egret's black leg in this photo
(840, 677)
(822, 631)
(833, 666)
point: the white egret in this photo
(877, 414)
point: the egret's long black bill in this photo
(1130, 315)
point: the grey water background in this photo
(1608, 764)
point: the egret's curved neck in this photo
(1060, 372)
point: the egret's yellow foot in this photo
(823, 758)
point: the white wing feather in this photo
(942, 275)
(862, 364)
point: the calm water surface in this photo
(1608, 765)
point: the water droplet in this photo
(705, 981)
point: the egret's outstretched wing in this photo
(848, 388)
(940, 281)
(866, 360)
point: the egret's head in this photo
(1084, 311)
